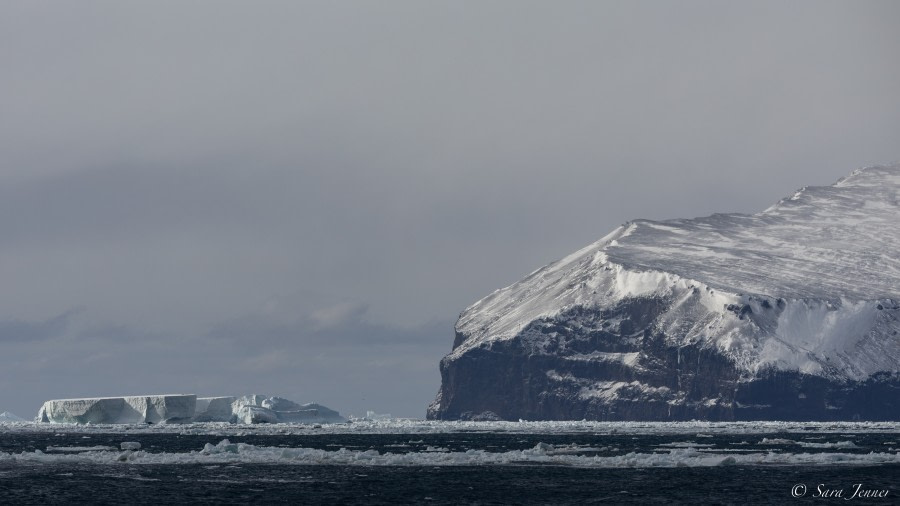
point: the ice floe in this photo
(226, 452)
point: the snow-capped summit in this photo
(807, 291)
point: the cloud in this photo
(338, 314)
(32, 331)
(342, 324)
(313, 191)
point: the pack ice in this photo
(791, 314)
(184, 408)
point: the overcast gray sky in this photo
(298, 198)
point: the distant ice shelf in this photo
(184, 408)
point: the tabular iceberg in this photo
(792, 313)
(134, 409)
(184, 408)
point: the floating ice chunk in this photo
(371, 415)
(78, 449)
(777, 441)
(839, 444)
(261, 409)
(254, 414)
(130, 445)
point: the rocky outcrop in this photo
(789, 314)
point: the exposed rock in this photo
(788, 314)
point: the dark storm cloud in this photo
(319, 181)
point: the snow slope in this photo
(830, 254)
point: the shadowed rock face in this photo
(607, 374)
(597, 336)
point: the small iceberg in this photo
(6, 416)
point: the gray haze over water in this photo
(298, 198)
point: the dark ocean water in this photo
(226, 482)
(261, 484)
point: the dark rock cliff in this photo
(512, 380)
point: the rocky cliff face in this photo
(791, 314)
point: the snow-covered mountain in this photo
(791, 313)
